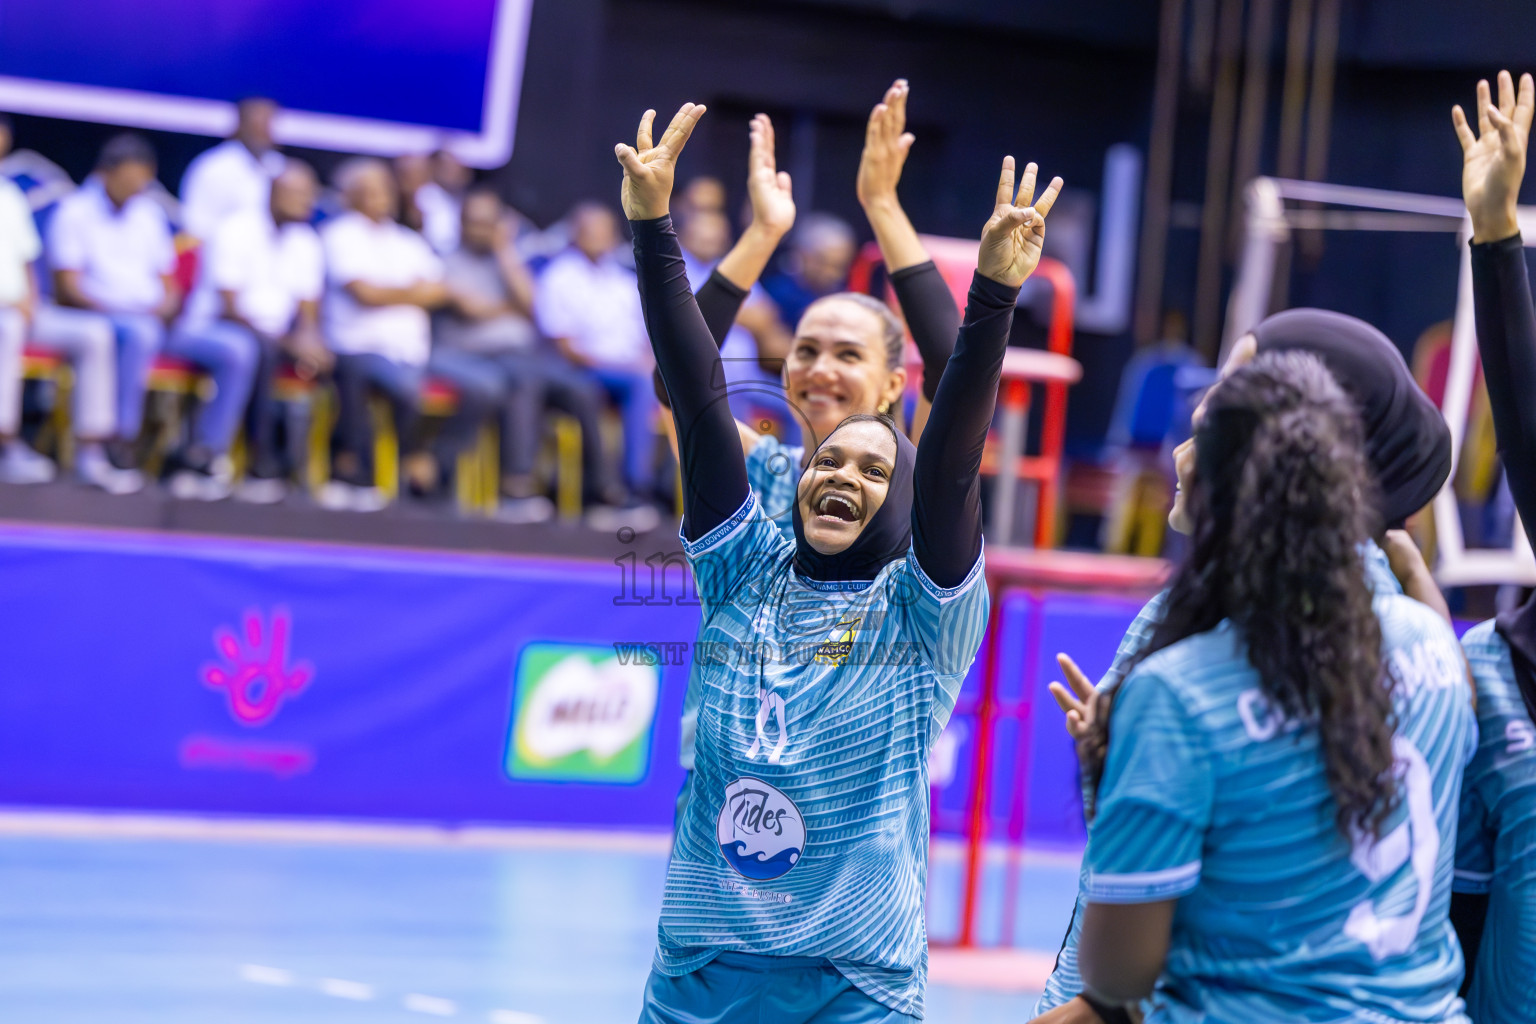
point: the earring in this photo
(885, 408)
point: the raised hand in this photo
(1013, 237)
(1077, 703)
(650, 169)
(1493, 160)
(773, 203)
(886, 144)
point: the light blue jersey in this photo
(1211, 797)
(773, 471)
(1496, 851)
(1065, 982)
(806, 828)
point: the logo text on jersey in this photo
(760, 830)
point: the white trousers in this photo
(87, 340)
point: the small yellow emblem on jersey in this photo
(836, 650)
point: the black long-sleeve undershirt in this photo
(713, 466)
(946, 511)
(932, 317)
(719, 302)
(921, 291)
(1506, 341)
(946, 486)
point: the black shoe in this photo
(188, 458)
(121, 453)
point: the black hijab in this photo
(887, 534)
(1406, 439)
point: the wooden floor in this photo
(247, 925)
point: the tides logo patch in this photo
(760, 830)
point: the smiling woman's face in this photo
(845, 485)
(837, 366)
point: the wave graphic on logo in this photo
(760, 830)
(759, 866)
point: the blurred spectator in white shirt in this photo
(83, 338)
(485, 340)
(110, 248)
(256, 301)
(233, 177)
(589, 304)
(19, 246)
(383, 279)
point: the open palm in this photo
(886, 145)
(650, 169)
(1013, 238)
(1493, 160)
(773, 202)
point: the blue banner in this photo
(163, 673)
(154, 672)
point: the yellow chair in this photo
(50, 368)
(478, 473)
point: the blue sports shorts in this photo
(744, 988)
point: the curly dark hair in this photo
(1281, 503)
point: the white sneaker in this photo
(92, 467)
(261, 490)
(19, 464)
(641, 518)
(335, 495)
(339, 496)
(189, 485)
(368, 499)
(535, 509)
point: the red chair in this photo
(1053, 368)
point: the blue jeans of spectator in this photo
(359, 375)
(635, 395)
(229, 352)
(522, 385)
(140, 337)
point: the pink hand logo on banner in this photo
(255, 676)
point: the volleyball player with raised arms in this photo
(1495, 903)
(848, 354)
(796, 886)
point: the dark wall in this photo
(978, 94)
(1057, 83)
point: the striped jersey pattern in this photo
(773, 471)
(1065, 981)
(806, 828)
(1497, 847)
(1212, 797)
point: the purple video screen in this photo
(377, 62)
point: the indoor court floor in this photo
(181, 924)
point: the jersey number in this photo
(1416, 842)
